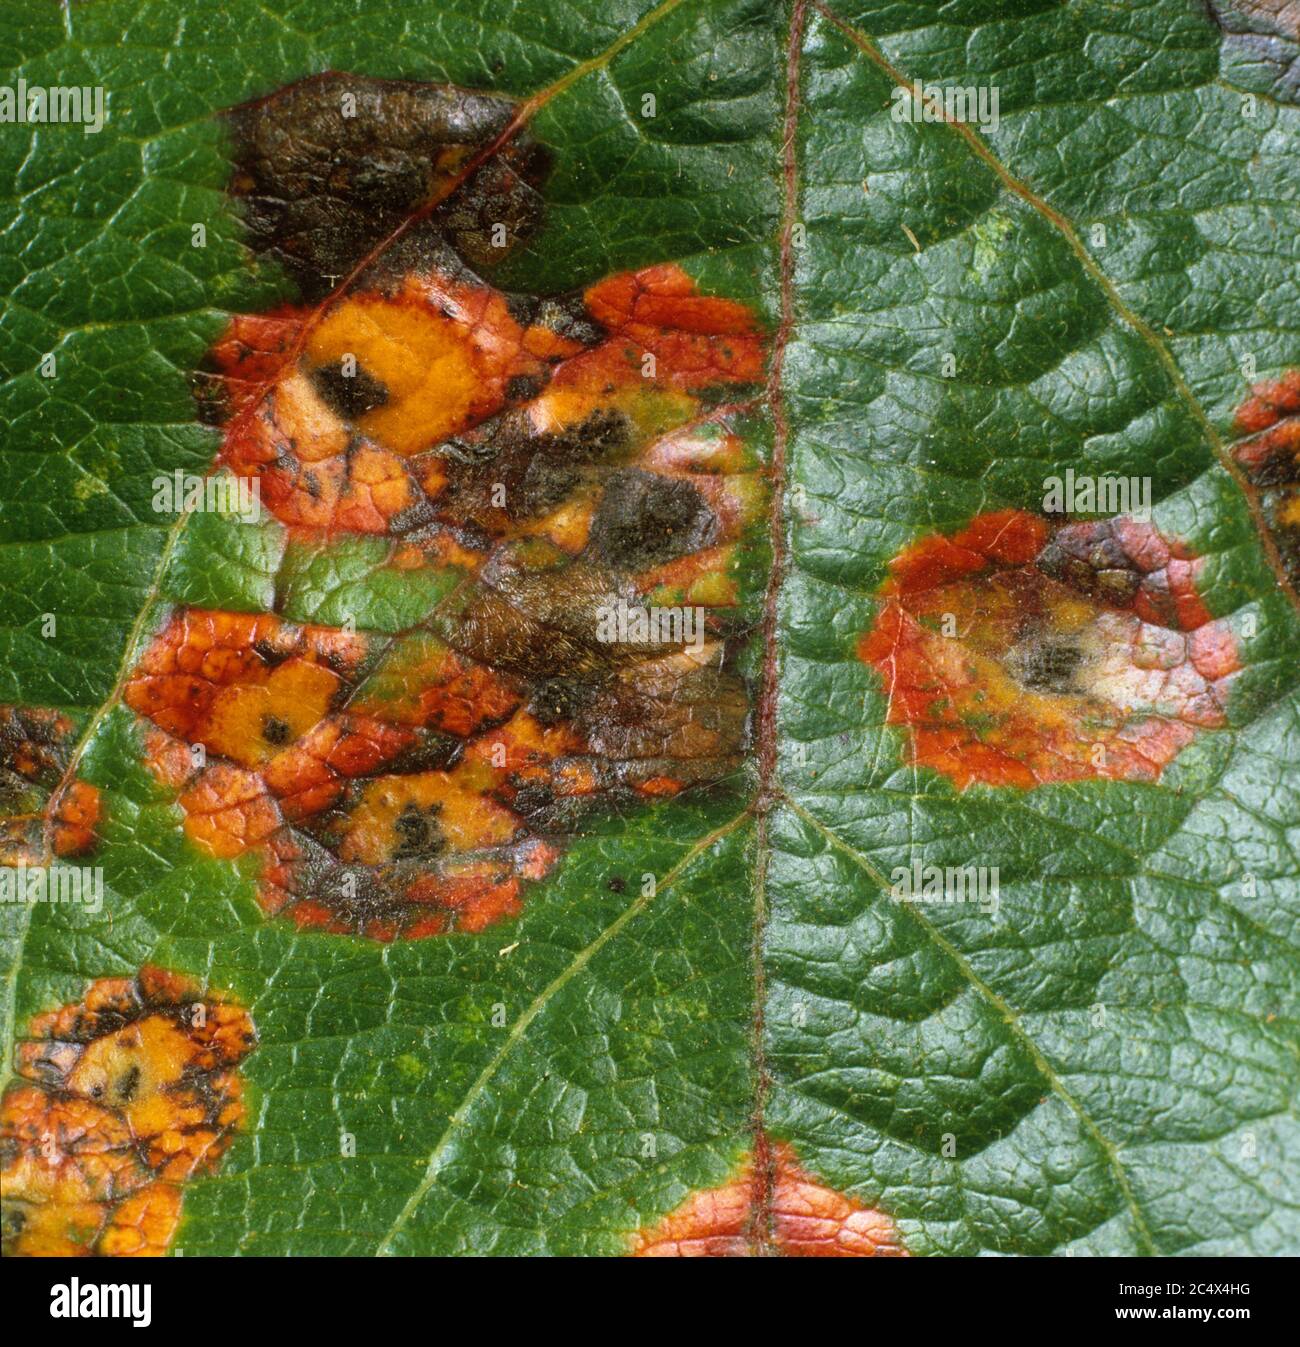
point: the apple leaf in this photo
(650, 629)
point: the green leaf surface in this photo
(1108, 1062)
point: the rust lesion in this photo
(787, 1212)
(410, 788)
(43, 816)
(448, 414)
(408, 393)
(121, 1099)
(1269, 454)
(1022, 651)
(551, 457)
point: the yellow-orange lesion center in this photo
(410, 786)
(122, 1098)
(442, 354)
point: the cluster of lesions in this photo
(435, 409)
(42, 815)
(120, 1100)
(1269, 452)
(1023, 650)
(419, 401)
(770, 1205)
(409, 786)
(569, 466)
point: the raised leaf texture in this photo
(533, 321)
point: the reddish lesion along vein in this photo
(1269, 454)
(43, 814)
(1020, 651)
(801, 1217)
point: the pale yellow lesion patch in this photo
(250, 723)
(422, 814)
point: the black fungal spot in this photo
(522, 387)
(127, 1086)
(419, 832)
(414, 517)
(269, 653)
(34, 745)
(616, 884)
(471, 450)
(434, 752)
(276, 731)
(533, 801)
(645, 520)
(351, 395)
(555, 700)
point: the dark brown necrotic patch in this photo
(1095, 565)
(328, 167)
(351, 395)
(536, 472)
(645, 520)
(524, 441)
(555, 700)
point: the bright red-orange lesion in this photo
(786, 1211)
(45, 816)
(1021, 651)
(122, 1098)
(1269, 421)
(381, 796)
(433, 359)
(395, 788)
(405, 787)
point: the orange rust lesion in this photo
(122, 1098)
(379, 414)
(443, 353)
(789, 1213)
(408, 789)
(547, 456)
(1269, 453)
(1022, 651)
(238, 683)
(43, 815)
